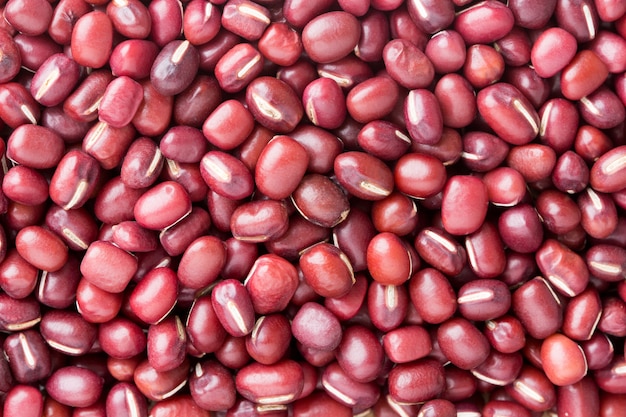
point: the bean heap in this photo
(313, 208)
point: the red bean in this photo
(149, 207)
(372, 99)
(339, 386)
(159, 282)
(484, 22)
(462, 194)
(92, 39)
(508, 113)
(237, 67)
(75, 386)
(416, 381)
(54, 80)
(553, 350)
(537, 307)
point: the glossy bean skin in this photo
(517, 125)
(92, 39)
(551, 317)
(324, 44)
(416, 381)
(274, 104)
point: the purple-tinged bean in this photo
(175, 68)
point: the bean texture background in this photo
(277, 208)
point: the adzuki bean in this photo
(305, 208)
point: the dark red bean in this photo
(339, 386)
(74, 179)
(166, 344)
(321, 201)
(439, 249)
(533, 390)
(562, 267)
(233, 307)
(505, 334)
(259, 221)
(582, 315)
(167, 21)
(521, 220)
(387, 305)
(196, 102)
(416, 381)
(175, 68)
(509, 113)
(269, 340)
(570, 173)
(18, 106)
(274, 104)
(28, 356)
(537, 307)
(203, 326)
(482, 300)
(423, 117)
(455, 335)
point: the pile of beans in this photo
(313, 208)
